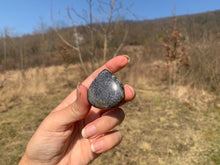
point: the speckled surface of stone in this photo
(106, 91)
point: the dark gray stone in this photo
(106, 91)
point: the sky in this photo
(25, 16)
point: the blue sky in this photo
(23, 16)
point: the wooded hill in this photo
(43, 49)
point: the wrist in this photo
(25, 160)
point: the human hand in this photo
(74, 132)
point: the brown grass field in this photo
(159, 128)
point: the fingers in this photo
(105, 123)
(106, 142)
(62, 119)
(113, 65)
(95, 113)
(129, 93)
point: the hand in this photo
(74, 132)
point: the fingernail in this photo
(89, 131)
(97, 146)
(128, 58)
(132, 90)
(78, 90)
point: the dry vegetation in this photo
(160, 128)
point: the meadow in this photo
(174, 119)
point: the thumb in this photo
(63, 119)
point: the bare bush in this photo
(175, 55)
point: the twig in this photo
(122, 43)
(77, 47)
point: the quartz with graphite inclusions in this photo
(106, 91)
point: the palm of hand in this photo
(78, 150)
(66, 146)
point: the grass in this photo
(17, 126)
(160, 131)
(28, 108)
(157, 129)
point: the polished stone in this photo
(106, 91)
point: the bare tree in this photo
(90, 28)
(75, 47)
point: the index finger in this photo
(113, 65)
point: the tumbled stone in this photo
(106, 91)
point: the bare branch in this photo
(91, 28)
(132, 13)
(101, 24)
(110, 15)
(64, 41)
(122, 43)
(76, 36)
(78, 15)
(106, 21)
(77, 47)
(59, 35)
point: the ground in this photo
(181, 129)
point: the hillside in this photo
(46, 48)
(174, 69)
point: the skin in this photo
(59, 140)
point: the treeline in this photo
(46, 48)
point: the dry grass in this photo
(157, 129)
(26, 100)
(37, 82)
